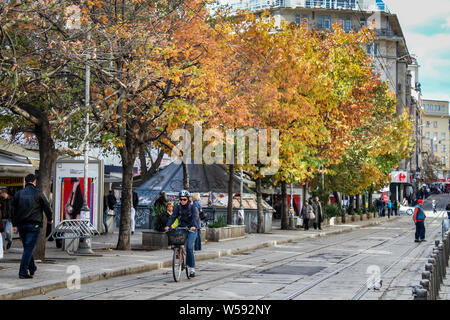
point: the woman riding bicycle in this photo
(187, 215)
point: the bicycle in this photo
(177, 238)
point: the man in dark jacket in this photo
(27, 218)
(317, 207)
(5, 208)
(109, 202)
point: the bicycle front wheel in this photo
(176, 264)
(184, 262)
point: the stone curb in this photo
(92, 277)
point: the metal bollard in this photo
(443, 264)
(419, 293)
(430, 268)
(426, 275)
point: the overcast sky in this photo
(426, 26)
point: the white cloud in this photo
(416, 12)
(446, 24)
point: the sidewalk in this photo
(53, 273)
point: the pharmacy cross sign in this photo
(402, 177)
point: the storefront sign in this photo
(11, 181)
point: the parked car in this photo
(406, 209)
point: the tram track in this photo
(363, 289)
(262, 267)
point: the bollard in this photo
(430, 268)
(442, 258)
(425, 285)
(420, 294)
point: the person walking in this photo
(419, 219)
(27, 207)
(109, 203)
(5, 215)
(196, 202)
(133, 211)
(164, 217)
(380, 206)
(317, 207)
(187, 215)
(389, 208)
(447, 208)
(307, 212)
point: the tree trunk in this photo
(143, 161)
(370, 200)
(259, 206)
(47, 159)
(338, 199)
(284, 207)
(154, 168)
(364, 203)
(357, 203)
(185, 176)
(230, 195)
(128, 157)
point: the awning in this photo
(13, 166)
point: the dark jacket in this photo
(317, 207)
(188, 216)
(135, 200)
(5, 207)
(110, 201)
(28, 205)
(306, 210)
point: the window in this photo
(363, 22)
(428, 123)
(435, 124)
(324, 22)
(443, 161)
(439, 108)
(435, 147)
(443, 109)
(427, 135)
(298, 18)
(348, 24)
(443, 148)
(435, 136)
(442, 135)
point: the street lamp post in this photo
(84, 247)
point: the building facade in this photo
(436, 135)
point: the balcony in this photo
(255, 5)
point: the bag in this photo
(175, 223)
(111, 212)
(312, 215)
(299, 222)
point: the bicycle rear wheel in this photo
(176, 263)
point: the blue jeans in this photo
(380, 211)
(8, 230)
(29, 234)
(190, 259)
(198, 241)
(105, 216)
(420, 230)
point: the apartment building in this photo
(389, 49)
(436, 134)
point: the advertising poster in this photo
(69, 190)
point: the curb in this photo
(43, 289)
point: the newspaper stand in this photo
(72, 230)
